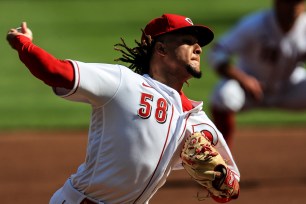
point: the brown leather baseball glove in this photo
(207, 167)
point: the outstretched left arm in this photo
(44, 66)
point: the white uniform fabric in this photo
(136, 133)
(265, 52)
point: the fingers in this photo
(26, 31)
(24, 27)
(22, 30)
(12, 30)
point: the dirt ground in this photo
(271, 162)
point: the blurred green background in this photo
(86, 31)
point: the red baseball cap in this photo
(171, 22)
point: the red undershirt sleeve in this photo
(44, 66)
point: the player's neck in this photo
(165, 76)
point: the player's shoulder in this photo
(106, 65)
(103, 66)
(94, 65)
(106, 68)
(116, 70)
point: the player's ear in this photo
(160, 48)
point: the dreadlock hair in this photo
(139, 56)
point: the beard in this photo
(193, 71)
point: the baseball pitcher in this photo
(140, 116)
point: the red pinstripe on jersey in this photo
(161, 155)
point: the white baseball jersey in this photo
(136, 132)
(265, 52)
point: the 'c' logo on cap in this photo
(189, 20)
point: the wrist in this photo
(19, 41)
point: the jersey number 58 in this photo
(145, 110)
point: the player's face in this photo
(184, 52)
